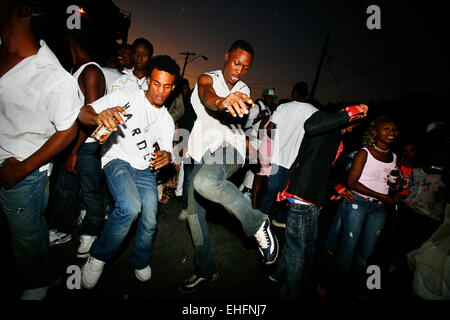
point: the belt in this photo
(295, 205)
(368, 198)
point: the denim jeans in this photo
(23, 206)
(187, 167)
(362, 221)
(134, 191)
(67, 187)
(277, 175)
(298, 252)
(333, 234)
(209, 183)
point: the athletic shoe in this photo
(91, 272)
(85, 245)
(183, 215)
(56, 237)
(143, 274)
(34, 294)
(278, 224)
(267, 242)
(194, 282)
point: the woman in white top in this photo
(364, 218)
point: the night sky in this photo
(406, 55)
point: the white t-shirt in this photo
(129, 80)
(210, 133)
(289, 118)
(37, 98)
(145, 124)
(76, 75)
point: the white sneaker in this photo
(34, 294)
(85, 245)
(91, 272)
(143, 274)
(183, 215)
(55, 237)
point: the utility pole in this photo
(187, 54)
(316, 79)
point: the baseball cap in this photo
(269, 92)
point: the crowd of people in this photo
(116, 138)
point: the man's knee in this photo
(129, 207)
(205, 184)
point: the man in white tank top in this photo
(79, 175)
(218, 146)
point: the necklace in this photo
(140, 82)
(379, 149)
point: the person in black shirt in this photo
(306, 188)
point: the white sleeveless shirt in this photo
(375, 173)
(210, 133)
(76, 75)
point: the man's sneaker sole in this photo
(82, 255)
(200, 283)
(62, 240)
(278, 224)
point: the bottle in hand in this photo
(102, 133)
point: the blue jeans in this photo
(277, 175)
(335, 229)
(210, 184)
(298, 251)
(134, 191)
(362, 221)
(187, 167)
(67, 188)
(23, 206)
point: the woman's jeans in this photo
(134, 191)
(24, 205)
(362, 221)
(209, 182)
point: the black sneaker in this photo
(194, 282)
(267, 242)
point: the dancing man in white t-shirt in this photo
(288, 120)
(127, 163)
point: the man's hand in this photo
(111, 117)
(343, 193)
(357, 112)
(70, 163)
(348, 196)
(12, 173)
(161, 158)
(236, 103)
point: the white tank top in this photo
(375, 173)
(76, 75)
